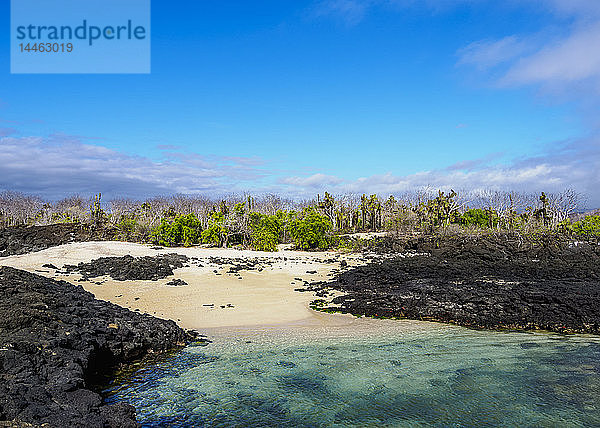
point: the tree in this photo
(183, 229)
(265, 231)
(479, 217)
(310, 230)
(216, 232)
(327, 206)
(97, 214)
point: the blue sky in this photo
(299, 97)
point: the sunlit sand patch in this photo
(209, 300)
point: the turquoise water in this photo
(435, 376)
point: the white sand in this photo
(260, 299)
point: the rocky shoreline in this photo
(57, 340)
(477, 283)
(26, 239)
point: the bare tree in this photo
(19, 209)
(562, 205)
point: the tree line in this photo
(263, 222)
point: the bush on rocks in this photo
(589, 226)
(479, 217)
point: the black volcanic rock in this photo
(21, 239)
(49, 266)
(481, 284)
(27, 239)
(56, 341)
(177, 282)
(131, 268)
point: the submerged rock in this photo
(57, 341)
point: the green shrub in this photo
(127, 226)
(63, 217)
(286, 220)
(183, 229)
(479, 217)
(265, 231)
(310, 231)
(216, 232)
(589, 226)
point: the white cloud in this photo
(59, 166)
(62, 165)
(353, 11)
(574, 165)
(471, 164)
(350, 11)
(5, 132)
(485, 54)
(572, 59)
(315, 181)
(581, 8)
(563, 61)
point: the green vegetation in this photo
(321, 306)
(588, 227)
(266, 230)
(310, 230)
(216, 232)
(262, 223)
(126, 227)
(182, 230)
(480, 218)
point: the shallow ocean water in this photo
(434, 375)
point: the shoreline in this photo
(263, 294)
(57, 341)
(487, 284)
(244, 297)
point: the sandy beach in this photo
(213, 299)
